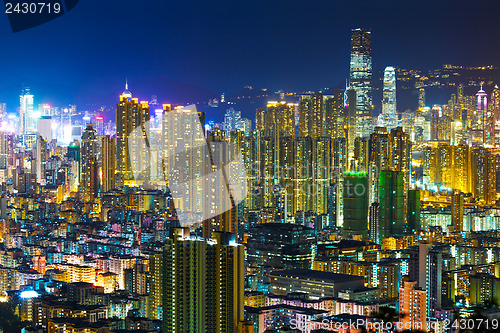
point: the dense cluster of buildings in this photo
(335, 217)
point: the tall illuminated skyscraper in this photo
(355, 197)
(392, 204)
(231, 119)
(311, 115)
(339, 166)
(379, 159)
(495, 111)
(361, 79)
(481, 113)
(132, 128)
(89, 185)
(268, 159)
(251, 157)
(277, 117)
(495, 103)
(200, 283)
(303, 176)
(351, 122)
(361, 154)
(108, 163)
(321, 176)
(413, 211)
(435, 122)
(421, 99)
(26, 113)
(401, 158)
(221, 155)
(483, 169)
(335, 114)
(389, 98)
(4, 151)
(461, 165)
(457, 211)
(287, 176)
(430, 165)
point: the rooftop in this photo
(316, 275)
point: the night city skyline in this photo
(250, 167)
(221, 47)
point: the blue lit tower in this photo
(361, 79)
(481, 112)
(26, 113)
(389, 99)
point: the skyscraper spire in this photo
(127, 92)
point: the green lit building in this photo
(196, 285)
(391, 196)
(355, 196)
(413, 211)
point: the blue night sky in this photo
(178, 49)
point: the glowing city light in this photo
(29, 294)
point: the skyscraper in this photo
(389, 98)
(401, 159)
(483, 169)
(392, 210)
(351, 122)
(434, 266)
(231, 119)
(251, 157)
(495, 103)
(457, 211)
(132, 127)
(461, 165)
(44, 127)
(277, 117)
(484, 289)
(108, 163)
(435, 123)
(268, 159)
(380, 158)
(221, 154)
(26, 113)
(321, 173)
(361, 79)
(421, 99)
(481, 113)
(335, 114)
(89, 185)
(200, 283)
(355, 197)
(413, 211)
(312, 115)
(303, 175)
(495, 109)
